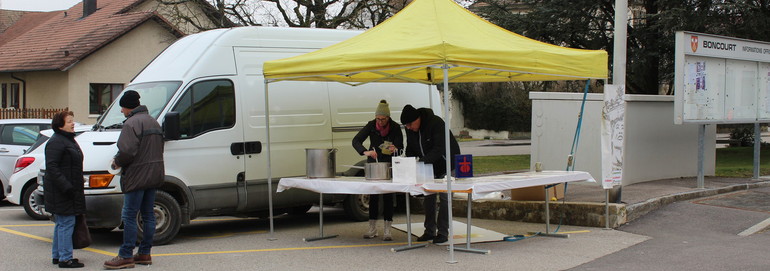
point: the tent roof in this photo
(414, 44)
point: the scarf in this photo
(384, 130)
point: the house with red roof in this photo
(82, 58)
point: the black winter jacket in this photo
(428, 142)
(63, 180)
(375, 139)
(140, 152)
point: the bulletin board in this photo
(721, 79)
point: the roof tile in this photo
(57, 40)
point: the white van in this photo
(213, 82)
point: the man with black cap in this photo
(140, 155)
(425, 139)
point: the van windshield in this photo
(154, 95)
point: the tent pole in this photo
(269, 167)
(448, 168)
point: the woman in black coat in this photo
(385, 139)
(63, 186)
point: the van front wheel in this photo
(168, 219)
(357, 207)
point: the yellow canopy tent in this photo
(435, 41)
(414, 43)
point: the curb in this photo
(640, 209)
(589, 214)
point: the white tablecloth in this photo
(479, 186)
(349, 185)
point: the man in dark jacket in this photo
(140, 155)
(425, 139)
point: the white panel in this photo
(704, 88)
(741, 91)
(764, 92)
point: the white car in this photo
(24, 179)
(16, 135)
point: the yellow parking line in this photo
(222, 219)
(204, 253)
(278, 249)
(25, 235)
(221, 235)
(50, 241)
(583, 231)
(28, 225)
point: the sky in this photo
(37, 5)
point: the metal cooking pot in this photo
(321, 163)
(377, 171)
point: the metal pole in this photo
(757, 144)
(448, 168)
(409, 244)
(271, 237)
(320, 222)
(701, 136)
(547, 213)
(468, 231)
(607, 209)
(619, 63)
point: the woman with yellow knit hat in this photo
(385, 139)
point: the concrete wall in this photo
(458, 124)
(117, 63)
(655, 147)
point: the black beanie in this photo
(409, 114)
(130, 99)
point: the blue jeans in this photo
(140, 201)
(62, 237)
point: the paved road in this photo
(713, 233)
(495, 147)
(226, 243)
(696, 235)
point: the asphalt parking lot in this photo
(229, 243)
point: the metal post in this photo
(548, 219)
(547, 212)
(701, 136)
(619, 64)
(448, 167)
(468, 232)
(320, 222)
(409, 244)
(269, 167)
(757, 144)
(607, 209)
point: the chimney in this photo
(89, 7)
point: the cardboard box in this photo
(536, 193)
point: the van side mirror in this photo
(171, 126)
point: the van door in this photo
(208, 156)
(299, 119)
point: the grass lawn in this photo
(730, 162)
(500, 163)
(739, 162)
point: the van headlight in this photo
(100, 180)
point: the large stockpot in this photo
(377, 171)
(321, 163)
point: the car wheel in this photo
(30, 205)
(357, 207)
(168, 219)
